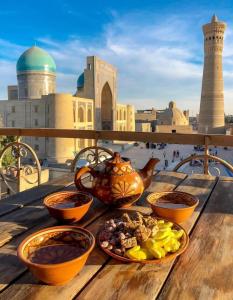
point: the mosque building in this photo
(170, 119)
(34, 103)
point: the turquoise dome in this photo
(80, 81)
(36, 59)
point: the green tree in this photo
(8, 159)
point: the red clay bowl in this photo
(174, 206)
(68, 206)
(55, 255)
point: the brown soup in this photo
(55, 254)
(171, 205)
(70, 202)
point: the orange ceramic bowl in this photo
(55, 255)
(68, 206)
(174, 206)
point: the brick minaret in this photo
(211, 116)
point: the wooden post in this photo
(18, 164)
(206, 159)
(96, 138)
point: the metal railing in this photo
(170, 138)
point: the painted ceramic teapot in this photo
(117, 183)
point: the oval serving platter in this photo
(184, 244)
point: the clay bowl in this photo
(174, 206)
(184, 244)
(55, 255)
(68, 206)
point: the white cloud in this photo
(158, 59)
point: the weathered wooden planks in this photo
(26, 286)
(208, 264)
(10, 267)
(7, 208)
(134, 281)
(163, 181)
(21, 220)
(36, 193)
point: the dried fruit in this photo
(140, 237)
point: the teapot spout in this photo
(147, 172)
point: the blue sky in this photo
(157, 46)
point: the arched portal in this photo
(81, 114)
(106, 108)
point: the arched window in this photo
(81, 114)
(74, 112)
(89, 115)
(106, 107)
(121, 116)
(117, 115)
(124, 115)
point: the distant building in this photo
(143, 127)
(173, 119)
(145, 117)
(34, 103)
(170, 119)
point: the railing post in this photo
(96, 138)
(206, 159)
(18, 164)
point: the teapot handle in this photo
(78, 175)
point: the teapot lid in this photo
(116, 158)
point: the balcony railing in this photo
(169, 138)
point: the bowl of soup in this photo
(55, 255)
(68, 206)
(175, 206)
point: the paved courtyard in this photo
(139, 155)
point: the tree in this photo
(8, 159)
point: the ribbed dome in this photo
(36, 59)
(172, 116)
(80, 81)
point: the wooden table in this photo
(204, 271)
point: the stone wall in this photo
(52, 111)
(177, 129)
(143, 127)
(32, 85)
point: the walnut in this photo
(150, 222)
(132, 225)
(126, 218)
(139, 218)
(129, 243)
(142, 233)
